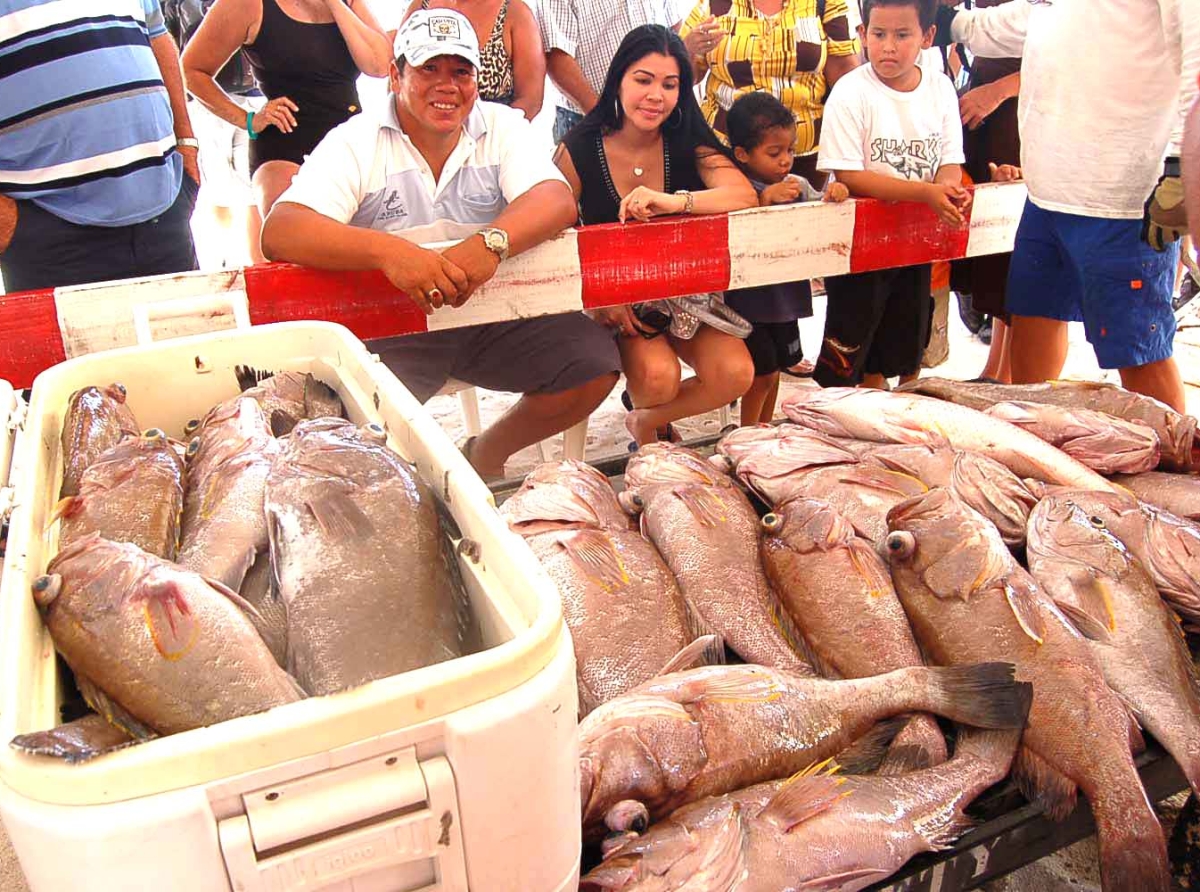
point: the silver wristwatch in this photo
(496, 241)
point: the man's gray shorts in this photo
(548, 354)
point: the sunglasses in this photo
(653, 321)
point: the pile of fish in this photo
(964, 558)
(283, 552)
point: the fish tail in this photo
(1133, 851)
(920, 744)
(983, 696)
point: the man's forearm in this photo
(566, 74)
(868, 184)
(167, 56)
(995, 33)
(537, 215)
(299, 234)
(1191, 171)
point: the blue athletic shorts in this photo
(1099, 272)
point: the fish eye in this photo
(121, 388)
(193, 448)
(153, 433)
(1097, 522)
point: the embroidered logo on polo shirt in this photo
(393, 207)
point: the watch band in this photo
(187, 142)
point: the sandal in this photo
(666, 434)
(803, 369)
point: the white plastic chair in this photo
(574, 438)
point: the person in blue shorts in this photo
(1096, 242)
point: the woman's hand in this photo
(702, 39)
(619, 319)
(641, 204)
(279, 112)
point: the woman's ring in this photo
(434, 295)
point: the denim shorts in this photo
(1099, 272)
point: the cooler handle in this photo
(413, 846)
(199, 305)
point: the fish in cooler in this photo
(365, 569)
(96, 420)
(131, 493)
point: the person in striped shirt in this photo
(98, 164)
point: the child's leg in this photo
(856, 303)
(904, 326)
(758, 403)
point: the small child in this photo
(762, 132)
(890, 131)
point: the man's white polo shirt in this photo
(368, 173)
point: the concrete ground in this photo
(1074, 869)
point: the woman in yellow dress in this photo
(793, 49)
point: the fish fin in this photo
(282, 423)
(248, 376)
(805, 795)
(846, 879)
(707, 650)
(1044, 785)
(895, 482)
(1024, 605)
(67, 507)
(705, 505)
(113, 712)
(237, 600)
(75, 742)
(168, 618)
(735, 684)
(596, 555)
(1087, 625)
(337, 514)
(871, 569)
(970, 566)
(945, 836)
(865, 755)
(905, 759)
(318, 396)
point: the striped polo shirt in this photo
(86, 130)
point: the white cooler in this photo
(462, 775)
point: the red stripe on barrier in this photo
(891, 234)
(365, 302)
(644, 261)
(30, 339)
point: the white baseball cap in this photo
(436, 32)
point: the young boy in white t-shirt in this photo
(891, 131)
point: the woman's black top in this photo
(599, 201)
(312, 66)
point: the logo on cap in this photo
(445, 28)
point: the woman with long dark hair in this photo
(643, 151)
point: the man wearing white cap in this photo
(436, 165)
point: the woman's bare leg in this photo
(651, 369)
(724, 371)
(270, 181)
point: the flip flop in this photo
(803, 369)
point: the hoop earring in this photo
(673, 123)
(617, 108)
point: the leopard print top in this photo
(495, 75)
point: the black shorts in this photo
(547, 354)
(774, 346)
(275, 145)
(875, 323)
(986, 280)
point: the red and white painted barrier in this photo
(595, 266)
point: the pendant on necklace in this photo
(637, 171)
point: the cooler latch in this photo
(390, 822)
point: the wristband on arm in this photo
(250, 125)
